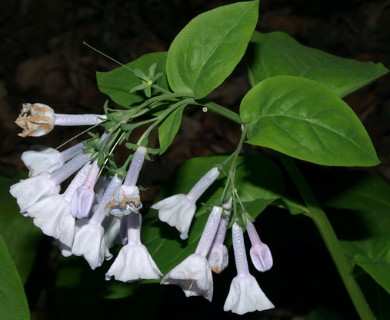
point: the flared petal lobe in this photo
(193, 275)
(245, 295)
(133, 263)
(177, 211)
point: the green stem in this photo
(328, 235)
(231, 115)
(230, 186)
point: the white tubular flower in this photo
(84, 196)
(27, 192)
(260, 253)
(245, 294)
(52, 214)
(193, 275)
(218, 256)
(178, 210)
(38, 119)
(89, 240)
(133, 261)
(48, 159)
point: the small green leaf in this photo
(118, 83)
(19, 232)
(209, 47)
(169, 128)
(259, 182)
(276, 53)
(13, 302)
(305, 120)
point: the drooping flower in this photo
(245, 294)
(48, 159)
(260, 253)
(178, 210)
(27, 192)
(52, 214)
(193, 274)
(89, 240)
(38, 119)
(133, 261)
(218, 256)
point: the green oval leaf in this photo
(22, 244)
(209, 47)
(169, 128)
(118, 83)
(364, 200)
(13, 302)
(276, 53)
(304, 120)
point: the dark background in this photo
(43, 59)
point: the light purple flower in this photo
(218, 256)
(260, 253)
(245, 294)
(84, 196)
(133, 261)
(178, 210)
(90, 241)
(193, 274)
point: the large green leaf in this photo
(118, 83)
(19, 232)
(13, 302)
(259, 180)
(209, 47)
(305, 120)
(367, 200)
(276, 53)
